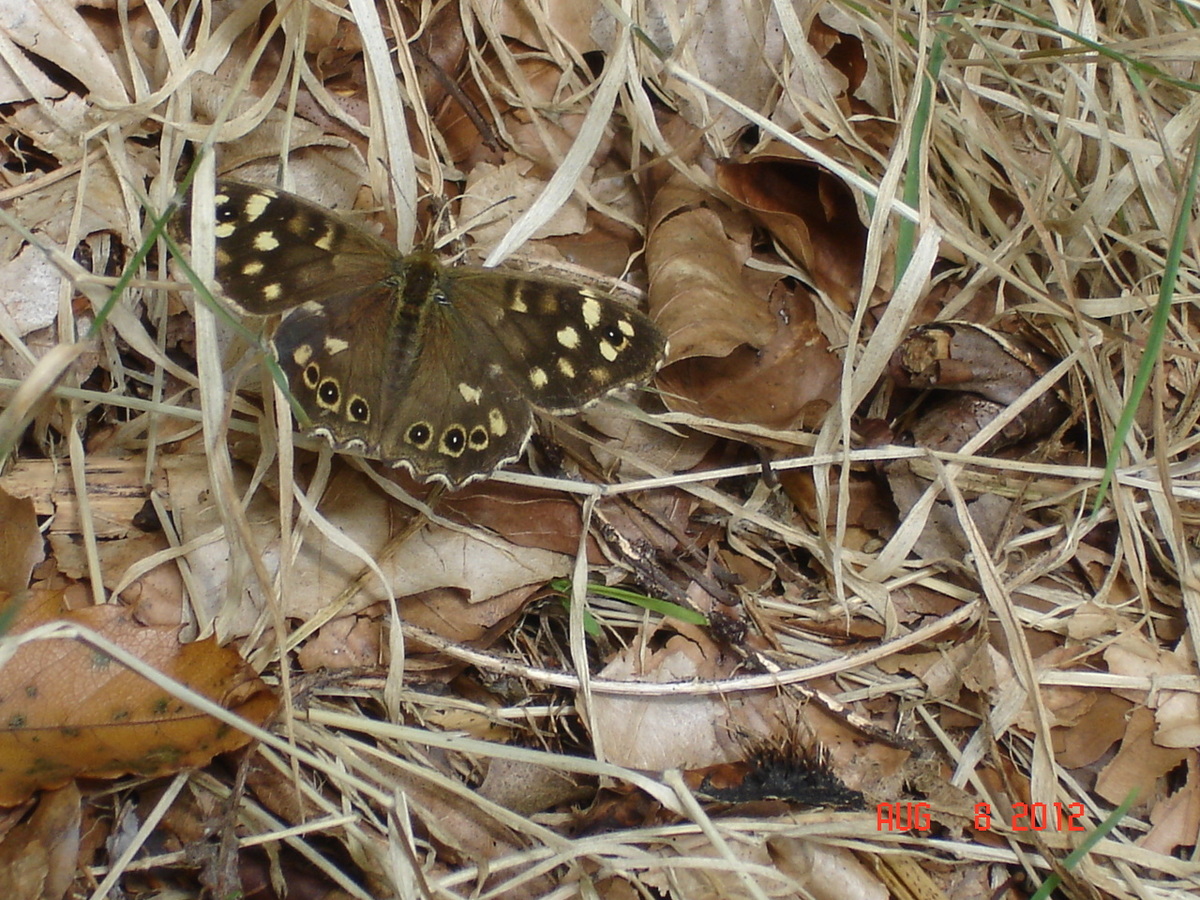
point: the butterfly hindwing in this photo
(434, 406)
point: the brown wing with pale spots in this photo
(565, 346)
(435, 369)
(444, 412)
(275, 250)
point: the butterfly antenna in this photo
(483, 217)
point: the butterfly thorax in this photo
(417, 283)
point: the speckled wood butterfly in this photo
(434, 368)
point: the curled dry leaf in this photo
(1177, 818)
(55, 31)
(677, 730)
(1139, 762)
(992, 368)
(808, 211)
(38, 857)
(68, 710)
(744, 348)
(479, 567)
(975, 373)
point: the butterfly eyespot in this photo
(454, 441)
(358, 410)
(328, 393)
(614, 336)
(312, 376)
(226, 212)
(440, 296)
(419, 435)
(479, 438)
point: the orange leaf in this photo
(68, 710)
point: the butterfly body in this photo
(434, 368)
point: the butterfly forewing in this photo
(433, 368)
(565, 346)
(276, 250)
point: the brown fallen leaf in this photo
(982, 363)
(21, 544)
(1139, 763)
(68, 710)
(744, 347)
(809, 211)
(1177, 816)
(37, 858)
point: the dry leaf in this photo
(348, 642)
(39, 856)
(810, 212)
(1177, 818)
(744, 347)
(675, 730)
(478, 566)
(1139, 762)
(68, 710)
(21, 544)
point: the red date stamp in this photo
(1023, 817)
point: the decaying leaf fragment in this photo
(992, 368)
(68, 710)
(974, 374)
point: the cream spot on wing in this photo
(626, 327)
(265, 242)
(599, 375)
(272, 291)
(538, 378)
(470, 394)
(608, 351)
(497, 423)
(568, 337)
(517, 304)
(325, 241)
(334, 346)
(253, 268)
(224, 230)
(302, 354)
(564, 366)
(591, 311)
(256, 204)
